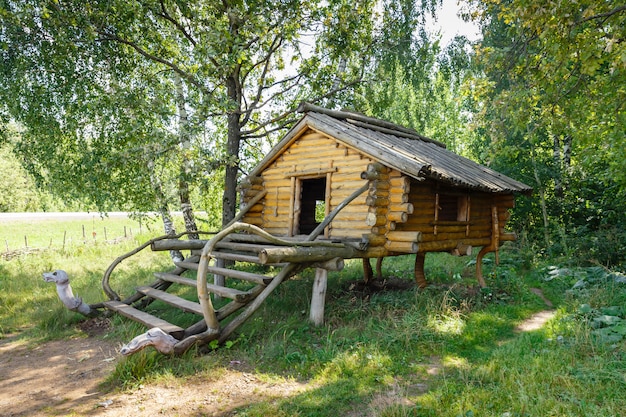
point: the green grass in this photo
(69, 234)
(449, 350)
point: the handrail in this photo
(113, 296)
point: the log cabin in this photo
(418, 197)
(338, 186)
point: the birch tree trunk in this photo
(185, 168)
(163, 208)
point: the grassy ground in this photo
(450, 350)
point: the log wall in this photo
(445, 234)
(312, 155)
(398, 214)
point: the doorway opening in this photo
(313, 204)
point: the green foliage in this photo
(548, 89)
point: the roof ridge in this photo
(373, 123)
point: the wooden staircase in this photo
(240, 249)
(237, 243)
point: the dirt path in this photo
(63, 377)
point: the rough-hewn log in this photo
(462, 250)
(376, 201)
(318, 297)
(406, 247)
(405, 207)
(372, 219)
(398, 198)
(397, 216)
(176, 244)
(404, 236)
(304, 254)
(374, 240)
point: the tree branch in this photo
(164, 14)
(605, 15)
(154, 58)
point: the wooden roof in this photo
(399, 148)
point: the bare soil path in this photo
(63, 378)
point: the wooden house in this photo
(419, 197)
(339, 185)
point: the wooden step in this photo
(230, 256)
(233, 294)
(171, 299)
(176, 278)
(192, 266)
(144, 318)
(231, 273)
(246, 276)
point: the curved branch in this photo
(107, 274)
(165, 15)
(154, 58)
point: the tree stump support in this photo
(318, 298)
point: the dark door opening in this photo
(312, 204)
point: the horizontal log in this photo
(374, 219)
(374, 240)
(257, 221)
(335, 264)
(380, 185)
(405, 247)
(339, 223)
(304, 254)
(376, 201)
(379, 211)
(310, 172)
(462, 250)
(399, 197)
(448, 245)
(397, 216)
(379, 230)
(400, 183)
(401, 236)
(257, 208)
(405, 207)
(177, 244)
(374, 176)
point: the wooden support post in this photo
(420, 278)
(379, 268)
(368, 273)
(318, 298)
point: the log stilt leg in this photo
(318, 299)
(479, 265)
(368, 273)
(379, 268)
(420, 278)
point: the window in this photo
(452, 208)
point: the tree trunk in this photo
(164, 211)
(185, 168)
(229, 205)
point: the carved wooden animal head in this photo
(156, 337)
(58, 277)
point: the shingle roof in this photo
(402, 149)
